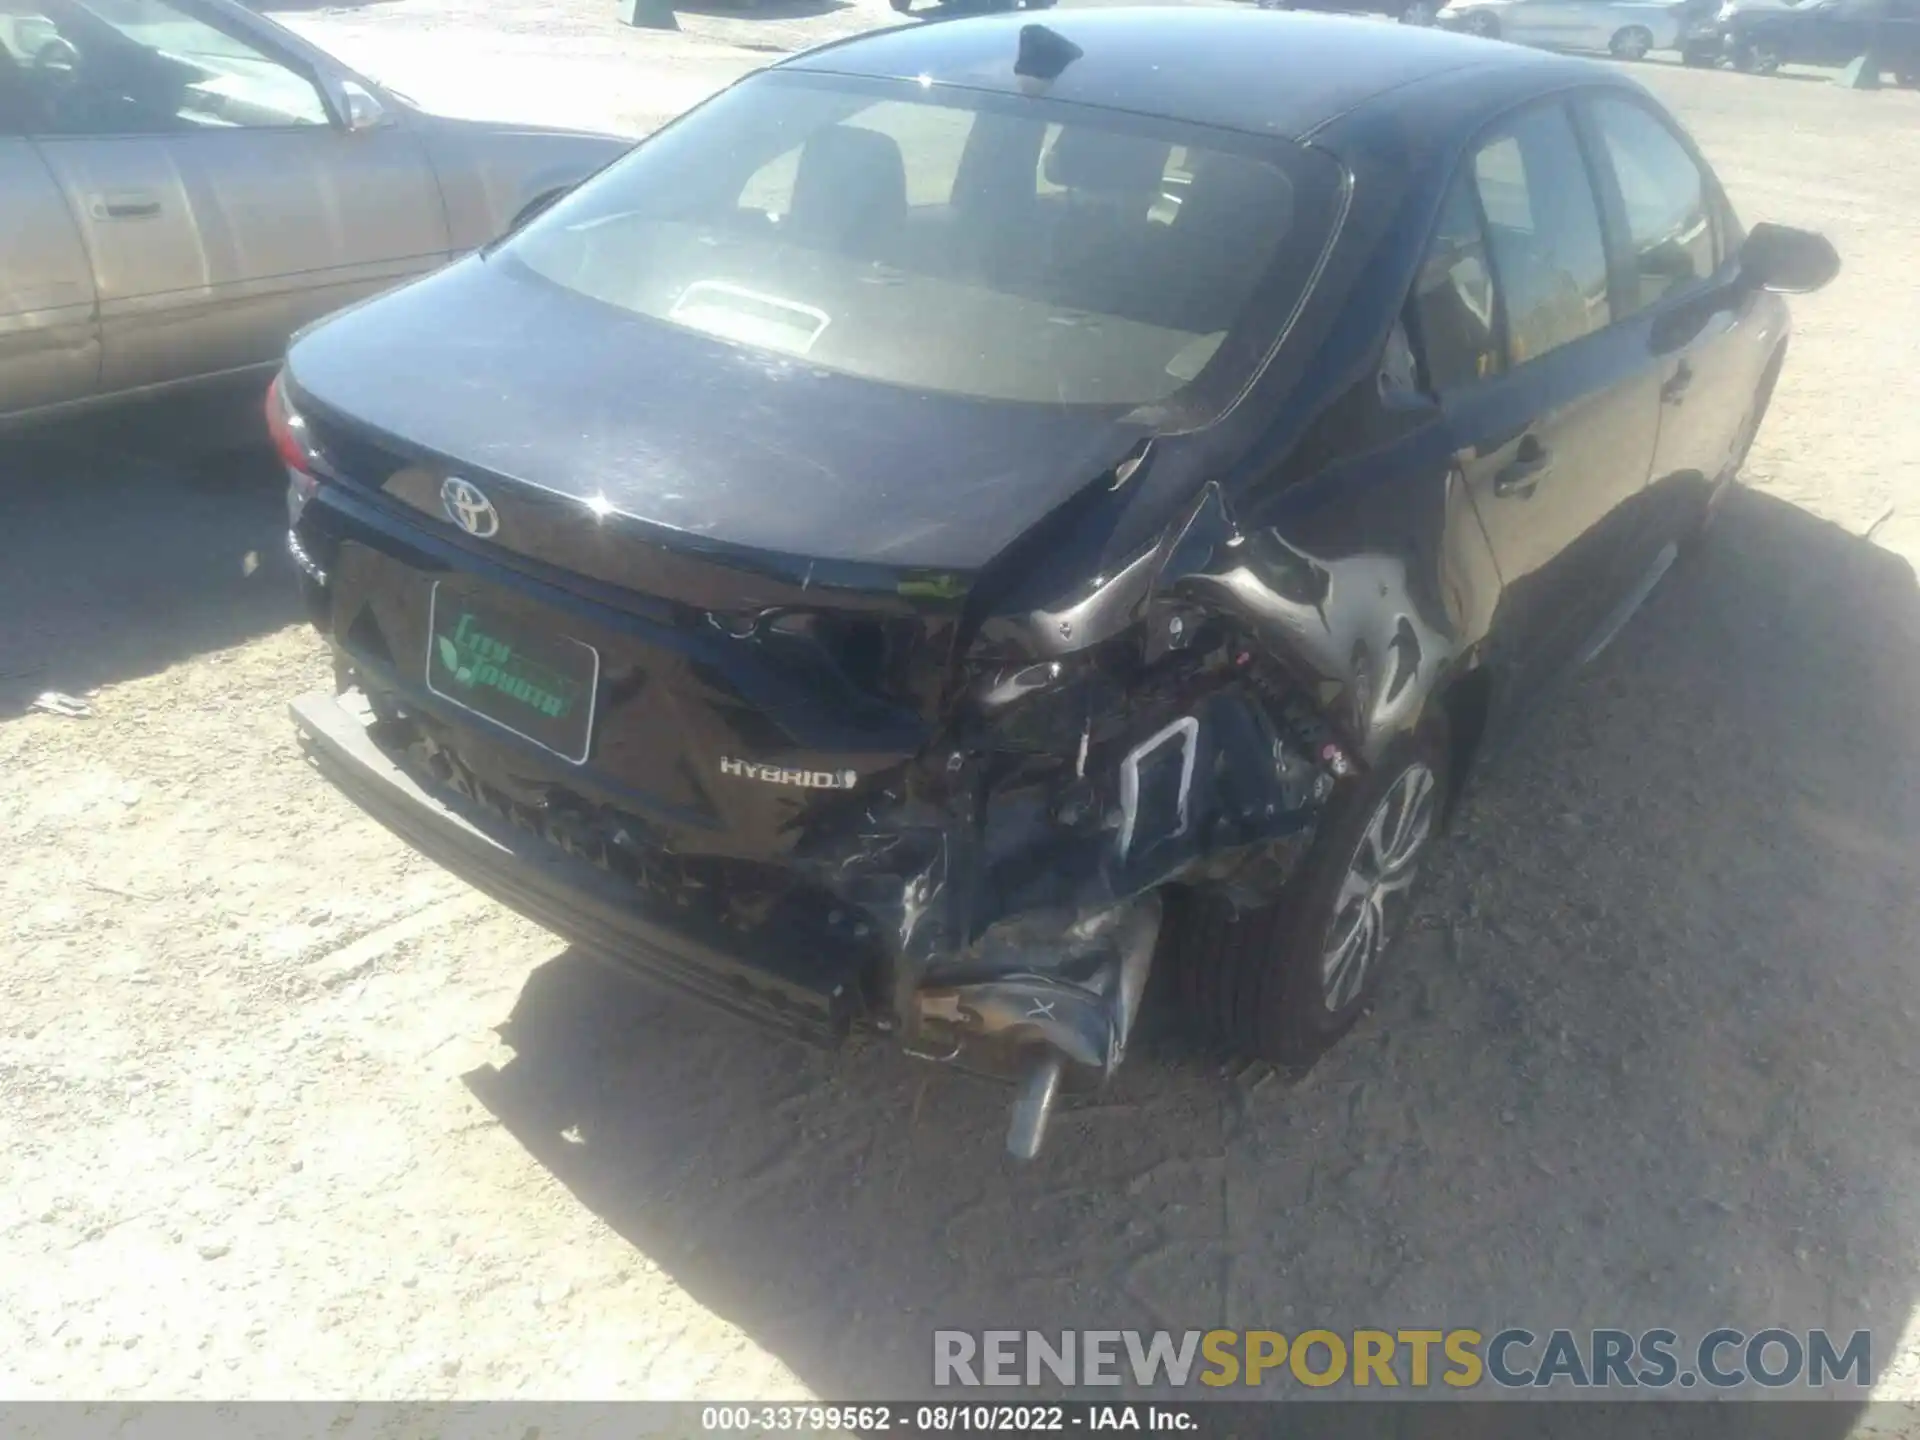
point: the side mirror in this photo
(357, 107)
(1788, 261)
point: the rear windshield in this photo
(953, 241)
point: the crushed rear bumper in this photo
(571, 897)
(1052, 1020)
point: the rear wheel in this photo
(1282, 984)
(1631, 42)
(1483, 23)
(1700, 57)
(1420, 12)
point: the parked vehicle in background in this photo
(1700, 23)
(962, 7)
(184, 183)
(1625, 29)
(870, 560)
(1703, 42)
(1825, 32)
(1407, 12)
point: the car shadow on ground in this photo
(136, 540)
(1644, 1060)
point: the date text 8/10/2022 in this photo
(963, 1419)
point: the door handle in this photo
(1522, 475)
(124, 205)
(1675, 389)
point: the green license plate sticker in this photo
(522, 677)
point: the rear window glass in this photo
(983, 245)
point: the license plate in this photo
(523, 678)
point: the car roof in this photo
(1261, 71)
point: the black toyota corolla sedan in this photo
(974, 512)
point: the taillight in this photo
(289, 431)
(295, 446)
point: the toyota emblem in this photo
(468, 508)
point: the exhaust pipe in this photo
(1083, 1023)
(1056, 1020)
(1027, 1129)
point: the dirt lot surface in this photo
(286, 1111)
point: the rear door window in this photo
(1543, 228)
(1453, 298)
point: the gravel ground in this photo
(286, 1111)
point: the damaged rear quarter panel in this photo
(1245, 615)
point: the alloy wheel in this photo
(1632, 43)
(1383, 865)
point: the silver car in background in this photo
(184, 183)
(1625, 29)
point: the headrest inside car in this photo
(848, 179)
(1231, 194)
(1106, 163)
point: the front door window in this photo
(143, 67)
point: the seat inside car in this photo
(1233, 215)
(849, 193)
(1099, 237)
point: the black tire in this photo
(1258, 980)
(1908, 78)
(1631, 42)
(1700, 57)
(1483, 23)
(901, 6)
